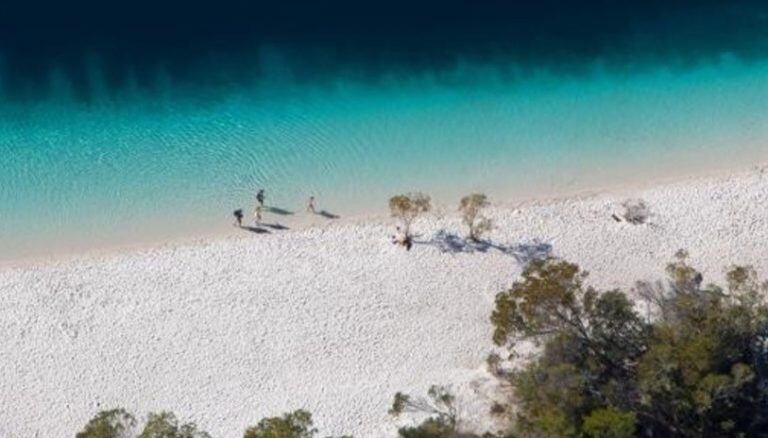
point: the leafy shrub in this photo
(609, 423)
(165, 425)
(439, 404)
(408, 207)
(636, 211)
(695, 368)
(296, 424)
(471, 207)
(115, 423)
(437, 427)
(118, 423)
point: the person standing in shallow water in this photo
(260, 197)
(238, 217)
(311, 204)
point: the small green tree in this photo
(166, 425)
(439, 405)
(550, 301)
(609, 423)
(697, 366)
(408, 207)
(115, 423)
(701, 374)
(436, 427)
(118, 423)
(471, 207)
(296, 424)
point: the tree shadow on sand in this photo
(447, 242)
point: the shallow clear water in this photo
(178, 162)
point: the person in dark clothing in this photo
(260, 197)
(402, 239)
(238, 217)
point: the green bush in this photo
(296, 424)
(409, 207)
(165, 425)
(439, 405)
(471, 207)
(694, 366)
(438, 427)
(609, 423)
(115, 423)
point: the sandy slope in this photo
(333, 319)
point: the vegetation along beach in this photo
(379, 219)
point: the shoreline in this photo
(304, 222)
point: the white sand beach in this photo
(331, 318)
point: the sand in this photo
(332, 318)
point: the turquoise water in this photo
(120, 168)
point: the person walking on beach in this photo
(238, 217)
(260, 197)
(311, 205)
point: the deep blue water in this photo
(120, 121)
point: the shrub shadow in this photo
(448, 242)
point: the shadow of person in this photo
(257, 230)
(280, 211)
(327, 214)
(276, 226)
